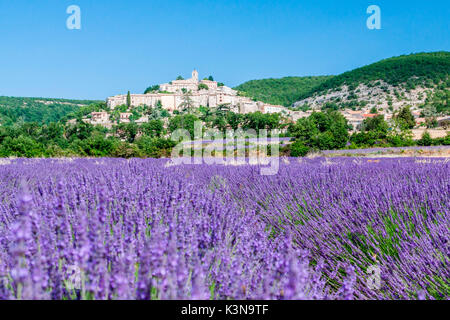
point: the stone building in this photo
(125, 117)
(99, 117)
(202, 93)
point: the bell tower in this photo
(195, 75)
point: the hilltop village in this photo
(184, 95)
(208, 93)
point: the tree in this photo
(304, 129)
(205, 114)
(128, 99)
(220, 123)
(338, 130)
(155, 147)
(258, 120)
(330, 106)
(222, 109)
(98, 145)
(445, 124)
(373, 131)
(80, 130)
(152, 89)
(321, 130)
(184, 121)
(375, 124)
(298, 149)
(325, 141)
(180, 78)
(153, 128)
(21, 146)
(431, 122)
(127, 131)
(429, 111)
(30, 129)
(254, 120)
(125, 150)
(405, 119)
(187, 103)
(426, 139)
(210, 78)
(234, 120)
(53, 133)
(202, 86)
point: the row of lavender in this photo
(118, 229)
(391, 214)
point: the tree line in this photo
(329, 130)
(148, 139)
(326, 130)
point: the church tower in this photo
(195, 75)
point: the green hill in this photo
(426, 69)
(414, 69)
(284, 91)
(41, 110)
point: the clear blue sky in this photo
(129, 45)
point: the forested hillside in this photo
(284, 91)
(415, 69)
(41, 110)
(406, 72)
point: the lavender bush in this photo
(138, 229)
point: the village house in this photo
(125, 117)
(99, 117)
(370, 115)
(420, 121)
(416, 114)
(354, 118)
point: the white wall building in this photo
(172, 95)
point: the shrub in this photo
(426, 139)
(126, 150)
(298, 149)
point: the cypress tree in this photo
(128, 99)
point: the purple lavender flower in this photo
(137, 229)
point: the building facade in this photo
(173, 95)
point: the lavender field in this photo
(139, 229)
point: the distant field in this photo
(420, 151)
(434, 133)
